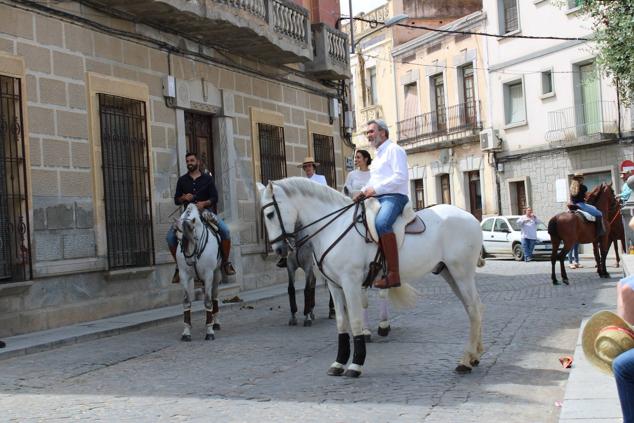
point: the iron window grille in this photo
(272, 153)
(126, 181)
(15, 247)
(324, 147)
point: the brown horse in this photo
(571, 228)
(617, 232)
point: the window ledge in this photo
(547, 95)
(516, 124)
(516, 32)
(133, 272)
(14, 288)
(538, 1)
(573, 11)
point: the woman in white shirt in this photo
(357, 179)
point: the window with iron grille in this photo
(272, 152)
(324, 147)
(126, 181)
(419, 194)
(15, 258)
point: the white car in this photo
(502, 235)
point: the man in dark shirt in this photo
(198, 187)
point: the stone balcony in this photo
(273, 31)
(330, 48)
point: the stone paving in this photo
(259, 369)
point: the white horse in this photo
(198, 258)
(450, 246)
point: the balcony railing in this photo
(438, 126)
(331, 53)
(574, 124)
(274, 31)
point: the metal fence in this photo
(272, 153)
(126, 181)
(430, 126)
(15, 247)
(324, 147)
(583, 119)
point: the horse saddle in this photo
(584, 215)
(407, 223)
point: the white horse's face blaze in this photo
(272, 220)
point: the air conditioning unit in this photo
(489, 140)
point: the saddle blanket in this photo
(407, 222)
(587, 216)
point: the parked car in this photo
(502, 235)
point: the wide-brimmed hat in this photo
(577, 175)
(606, 336)
(309, 160)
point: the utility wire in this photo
(374, 22)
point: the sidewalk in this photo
(591, 395)
(48, 339)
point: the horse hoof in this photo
(209, 337)
(336, 371)
(216, 326)
(352, 373)
(565, 281)
(474, 363)
(186, 338)
(368, 338)
(312, 315)
(308, 323)
(292, 322)
(384, 331)
(462, 369)
(556, 282)
(331, 314)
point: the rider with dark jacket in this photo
(578, 193)
(198, 187)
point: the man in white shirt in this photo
(389, 180)
(310, 166)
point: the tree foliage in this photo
(614, 34)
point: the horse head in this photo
(279, 217)
(602, 197)
(190, 221)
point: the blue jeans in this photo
(589, 209)
(223, 231)
(573, 254)
(391, 207)
(623, 368)
(528, 245)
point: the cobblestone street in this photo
(260, 369)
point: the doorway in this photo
(198, 135)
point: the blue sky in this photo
(360, 6)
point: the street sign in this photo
(349, 164)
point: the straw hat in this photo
(309, 160)
(605, 336)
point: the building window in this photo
(468, 109)
(515, 109)
(438, 86)
(15, 261)
(419, 194)
(272, 152)
(126, 181)
(373, 96)
(445, 189)
(547, 83)
(324, 147)
(509, 16)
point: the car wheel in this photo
(518, 253)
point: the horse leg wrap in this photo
(187, 317)
(214, 306)
(359, 350)
(343, 354)
(209, 317)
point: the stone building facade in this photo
(97, 114)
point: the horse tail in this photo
(481, 262)
(403, 296)
(552, 226)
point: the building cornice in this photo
(462, 24)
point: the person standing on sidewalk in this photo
(608, 343)
(573, 257)
(529, 223)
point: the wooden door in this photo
(445, 187)
(198, 130)
(475, 194)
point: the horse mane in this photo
(593, 196)
(295, 186)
